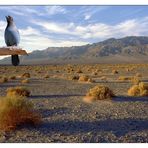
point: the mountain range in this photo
(131, 49)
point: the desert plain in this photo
(57, 93)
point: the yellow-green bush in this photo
(138, 90)
(3, 80)
(15, 111)
(83, 78)
(99, 93)
(18, 91)
(26, 75)
(25, 81)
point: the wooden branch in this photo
(12, 50)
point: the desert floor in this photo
(66, 117)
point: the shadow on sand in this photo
(54, 96)
(51, 112)
(130, 99)
(119, 127)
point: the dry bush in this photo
(79, 71)
(138, 75)
(46, 76)
(103, 78)
(25, 81)
(3, 80)
(99, 93)
(18, 91)
(115, 72)
(73, 77)
(16, 111)
(83, 78)
(26, 75)
(12, 77)
(123, 78)
(127, 69)
(90, 80)
(94, 73)
(138, 90)
(135, 80)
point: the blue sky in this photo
(54, 26)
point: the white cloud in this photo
(98, 30)
(33, 39)
(2, 29)
(51, 10)
(62, 28)
(87, 16)
(20, 10)
(29, 31)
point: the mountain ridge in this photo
(129, 47)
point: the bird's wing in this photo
(12, 37)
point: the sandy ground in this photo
(66, 118)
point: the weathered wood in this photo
(12, 51)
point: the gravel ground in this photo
(66, 118)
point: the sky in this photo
(57, 26)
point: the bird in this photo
(12, 37)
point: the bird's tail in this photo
(15, 60)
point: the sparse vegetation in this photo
(18, 91)
(16, 111)
(26, 75)
(25, 81)
(73, 77)
(123, 78)
(99, 93)
(12, 77)
(46, 76)
(104, 78)
(83, 78)
(138, 90)
(138, 75)
(135, 80)
(3, 80)
(115, 72)
(79, 71)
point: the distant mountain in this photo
(128, 49)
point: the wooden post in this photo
(12, 50)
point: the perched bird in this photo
(12, 38)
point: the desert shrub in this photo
(18, 91)
(57, 71)
(94, 73)
(79, 71)
(135, 80)
(99, 93)
(26, 75)
(12, 77)
(138, 90)
(123, 78)
(25, 81)
(83, 78)
(138, 75)
(46, 76)
(90, 80)
(16, 111)
(3, 80)
(73, 77)
(115, 72)
(103, 78)
(127, 69)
